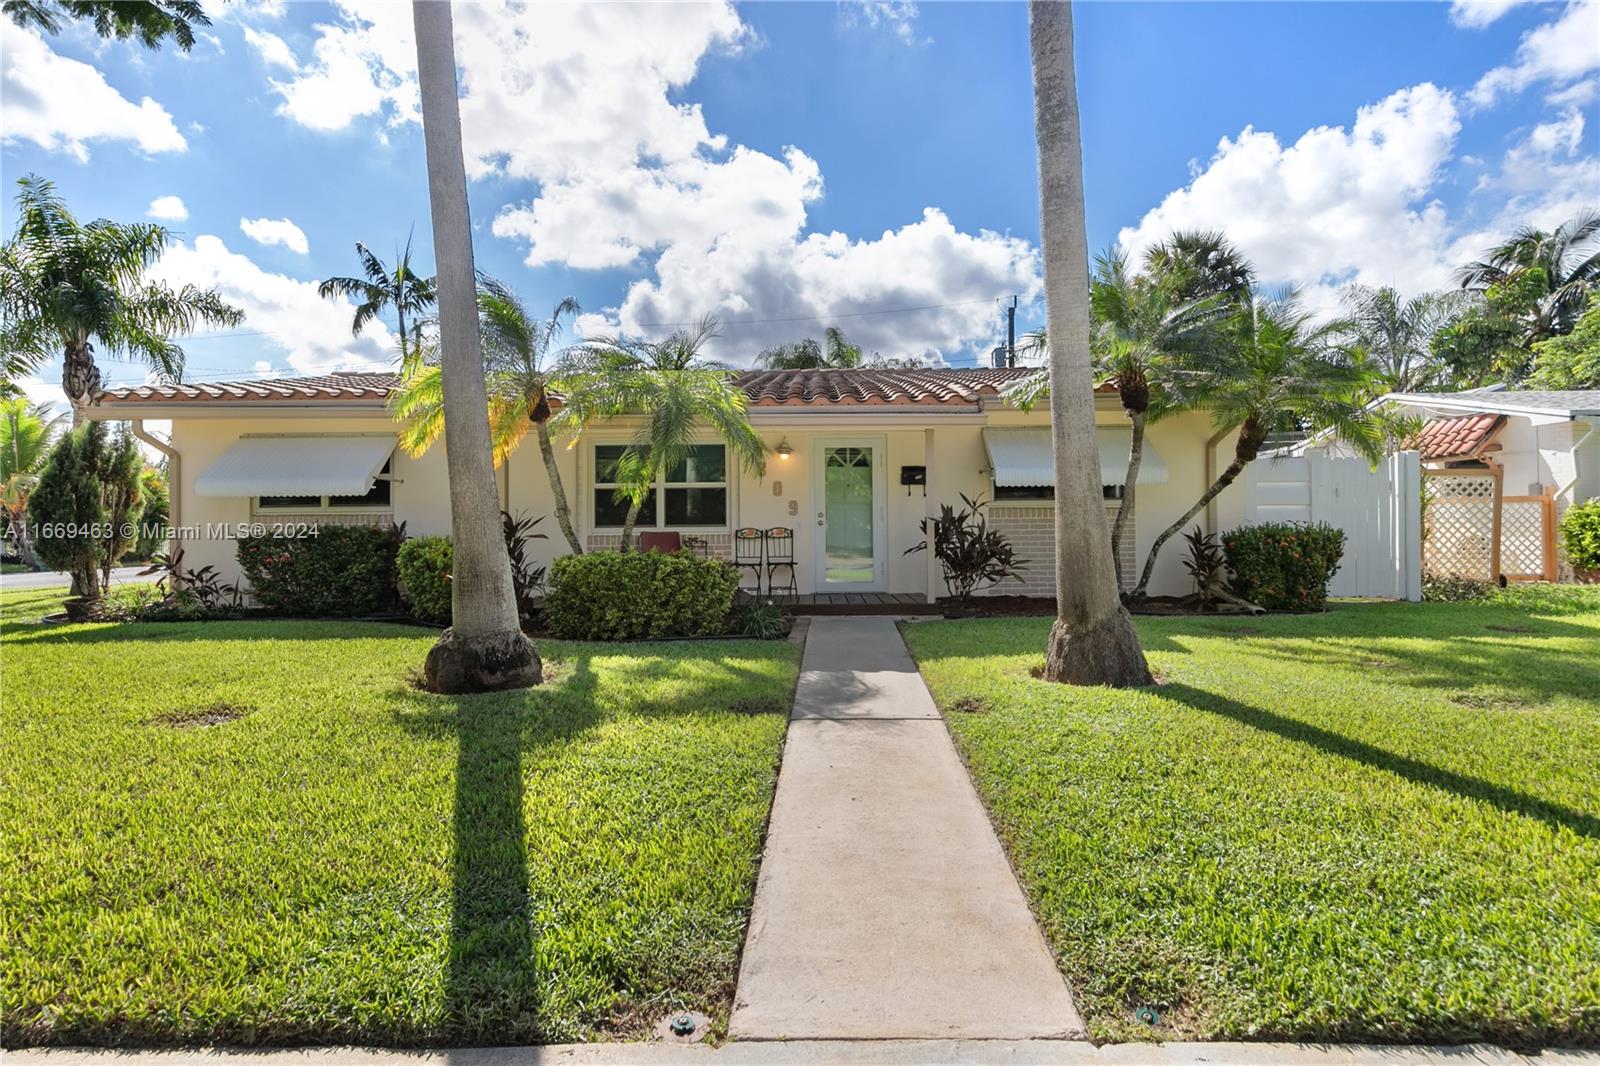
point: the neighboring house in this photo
(859, 458)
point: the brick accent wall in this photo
(1031, 528)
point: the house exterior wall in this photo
(783, 495)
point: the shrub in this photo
(627, 595)
(339, 571)
(1580, 535)
(85, 505)
(971, 555)
(1284, 566)
(762, 619)
(1453, 588)
(424, 566)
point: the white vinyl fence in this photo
(1379, 510)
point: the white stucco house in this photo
(859, 458)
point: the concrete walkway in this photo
(885, 907)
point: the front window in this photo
(692, 493)
(377, 498)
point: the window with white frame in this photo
(692, 493)
(377, 498)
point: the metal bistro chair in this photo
(748, 552)
(780, 556)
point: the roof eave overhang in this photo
(156, 409)
(1462, 405)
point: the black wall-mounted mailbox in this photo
(913, 475)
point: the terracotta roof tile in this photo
(766, 388)
(1456, 438)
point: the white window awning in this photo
(297, 466)
(1020, 458)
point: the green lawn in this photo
(1379, 823)
(258, 832)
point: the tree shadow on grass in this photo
(133, 633)
(1506, 799)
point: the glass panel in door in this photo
(847, 498)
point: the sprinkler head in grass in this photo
(1148, 1015)
(682, 1025)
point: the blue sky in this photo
(790, 166)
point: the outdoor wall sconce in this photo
(783, 449)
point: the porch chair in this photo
(668, 542)
(780, 556)
(748, 552)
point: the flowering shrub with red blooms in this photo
(1284, 566)
(342, 571)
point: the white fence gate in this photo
(1379, 510)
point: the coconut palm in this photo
(484, 649)
(675, 389)
(1276, 368)
(1198, 263)
(1396, 334)
(26, 433)
(150, 21)
(1565, 262)
(517, 373)
(381, 287)
(70, 286)
(1093, 641)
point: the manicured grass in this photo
(29, 605)
(1381, 823)
(259, 832)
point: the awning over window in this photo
(297, 466)
(1020, 458)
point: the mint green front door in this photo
(850, 515)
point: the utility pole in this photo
(1011, 333)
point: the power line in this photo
(823, 318)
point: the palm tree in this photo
(26, 434)
(1564, 266)
(675, 389)
(484, 649)
(1395, 334)
(151, 21)
(835, 353)
(516, 352)
(1201, 263)
(1093, 641)
(1277, 368)
(380, 288)
(71, 286)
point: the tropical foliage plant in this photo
(26, 434)
(1580, 538)
(148, 21)
(382, 287)
(68, 286)
(1284, 566)
(972, 555)
(1571, 361)
(342, 572)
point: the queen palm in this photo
(1198, 263)
(381, 287)
(26, 433)
(484, 648)
(69, 286)
(675, 391)
(1566, 261)
(1275, 367)
(1395, 334)
(835, 353)
(517, 371)
(1093, 641)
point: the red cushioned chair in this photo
(661, 542)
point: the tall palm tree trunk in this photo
(80, 378)
(541, 430)
(1093, 641)
(1250, 438)
(1129, 492)
(484, 648)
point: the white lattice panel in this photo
(1458, 526)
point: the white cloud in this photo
(1337, 205)
(580, 98)
(898, 16)
(313, 332)
(1577, 94)
(167, 209)
(270, 231)
(272, 49)
(1544, 179)
(1476, 14)
(1558, 52)
(60, 104)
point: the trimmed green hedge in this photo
(424, 564)
(342, 571)
(629, 595)
(1580, 535)
(1284, 566)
